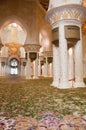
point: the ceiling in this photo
(44, 3)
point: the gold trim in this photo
(32, 47)
(48, 54)
(72, 12)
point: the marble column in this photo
(56, 67)
(28, 67)
(22, 70)
(43, 70)
(63, 58)
(78, 65)
(71, 66)
(39, 68)
(46, 68)
(3, 70)
(50, 69)
(36, 68)
(6, 69)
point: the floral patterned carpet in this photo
(35, 105)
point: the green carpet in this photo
(31, 97)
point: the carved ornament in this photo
(71, 12)
(32, 47)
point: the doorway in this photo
(14, 66)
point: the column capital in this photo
(65, 12)
(48, 54)
(32, 47)
(4, 58)
(23, 61)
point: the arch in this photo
(13, 57)
(14, 19)
(14, 70)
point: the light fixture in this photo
(13, 47)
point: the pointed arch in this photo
(14, 19)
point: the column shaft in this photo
(70, 66)
(50, 70)
(63, 58)
(46, 68)
(39, 68)
(36, 68)
(78, 65)
(28, 68)
(56, 66)
(22, 70)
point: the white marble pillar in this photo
(6, 69)
(43, 70)
(28, 67)
(3, 70)
(39, 68)
(63, 58)
(71, 66)
(22, 70)
(36, 68)
(56, 67)
(50, 69)
(32, 69)
(78, 65)
(46, 68)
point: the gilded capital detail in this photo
(72, 12)
(48, 54)
(32, 47)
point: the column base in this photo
(28, 78)
(46, 76)
(35, 78)
(64, 85)
(55, 84)
(79, 84)
(71, 84)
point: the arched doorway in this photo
(14, 67)
(13, 36)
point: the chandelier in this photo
(13, 47)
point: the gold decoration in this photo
(13, 47)
(32, 47)
(75, 12)
(48, 54)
